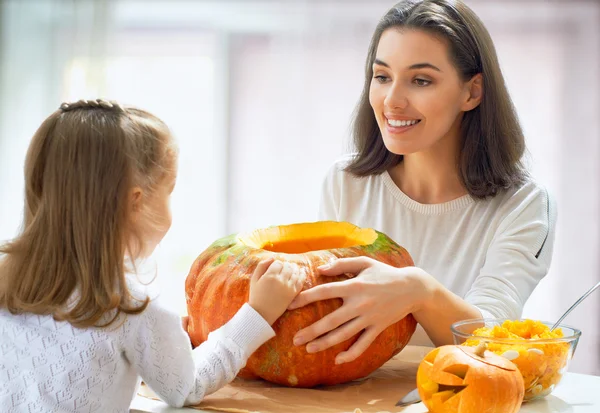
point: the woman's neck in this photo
(432, 176)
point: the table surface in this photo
(576, 393)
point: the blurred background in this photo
(259, 95)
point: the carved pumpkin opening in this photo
(430, 357)
(442, 392)
(302, 238)
(444, 388)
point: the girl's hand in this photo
(377, 297)
(273, 286)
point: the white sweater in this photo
(49, 366)
(491, 252)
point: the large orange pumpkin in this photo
(461, 379)
(218, 285)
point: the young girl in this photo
(76, 331)
(438, 168)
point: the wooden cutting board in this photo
(379, 392)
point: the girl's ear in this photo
(474, 93)
(135, 203)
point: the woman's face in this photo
(416, 92)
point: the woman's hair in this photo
(82, 163)
(492, 141)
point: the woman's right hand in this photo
(273, 286)
(376, 298)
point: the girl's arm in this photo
(162, 354)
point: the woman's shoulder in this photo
(338, 171)
(340, 164)
(530, 203)
(529, 194)
(340, 183)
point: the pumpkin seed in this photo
(510, 354)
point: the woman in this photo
(438, 168)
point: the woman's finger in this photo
(326, 324)
(339, 335)
(318, 293)
(346, 265)
(359, 347)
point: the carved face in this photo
(459, 379)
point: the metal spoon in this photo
(413, 397)
(583, 297)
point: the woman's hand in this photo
(377, 297)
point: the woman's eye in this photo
(421, 82)
(381, 78)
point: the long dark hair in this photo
(492, 141)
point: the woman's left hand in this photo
(377, 297)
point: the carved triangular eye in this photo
(458, 370)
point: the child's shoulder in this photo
(157, 312)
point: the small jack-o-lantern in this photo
(460, 379)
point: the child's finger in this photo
(299, 280)
(260, 269)
(297, 274)
(287, 271)
(275, 268)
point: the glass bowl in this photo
(541, 361)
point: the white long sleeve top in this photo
(490, 252)
(49, 366)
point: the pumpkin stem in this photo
(480, 349)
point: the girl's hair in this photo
(69, 260)
(492, 141)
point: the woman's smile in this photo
(397, 125)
